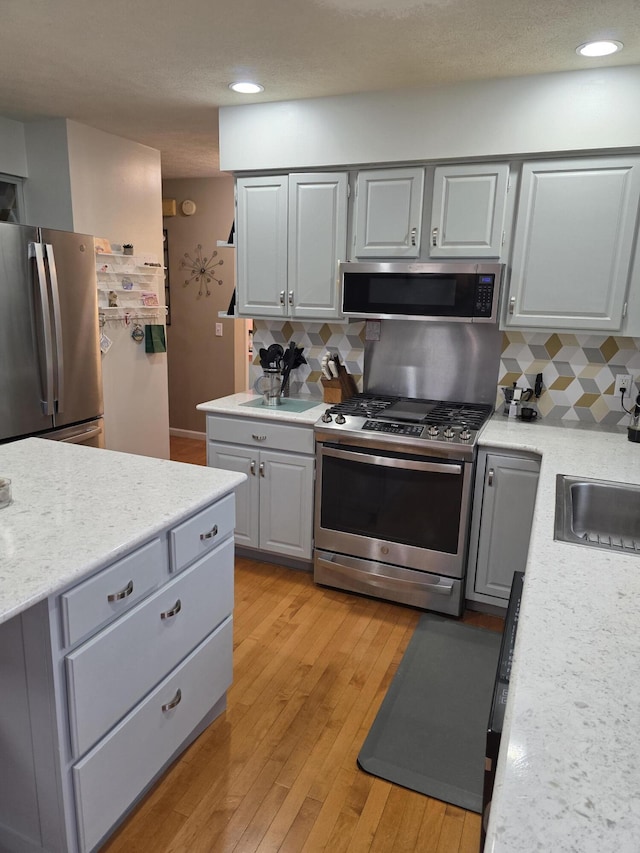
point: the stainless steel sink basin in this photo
(599, 513)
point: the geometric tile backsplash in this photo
(578, 372)
(347, 339)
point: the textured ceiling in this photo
(155, 71)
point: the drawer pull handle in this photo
(118, 596)
(213, 532)
(167, 614)
(261, 469)
(175, 701)
(258, 437)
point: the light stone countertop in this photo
(233, 405)
(76, 508)
(568, 776)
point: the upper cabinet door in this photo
(467, 216)
(573, 240)
(388, 217)
(261, 239)
(317, 243)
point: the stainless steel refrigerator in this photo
(50, 369)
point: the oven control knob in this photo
(340, 419)
(326, 418)
(465, 433)
(449, 432)
(433, 431)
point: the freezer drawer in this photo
(91, 434)
(113, 774)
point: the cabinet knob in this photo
(490, 477)
(123, 593)
(282, 297)
(167, 614)
(414, 232)
(512, 305)
(434, 237)
(291, 297)
(261, 469)
(175, 701)
(252, 467)
(210, 534)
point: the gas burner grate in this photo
(473, 415)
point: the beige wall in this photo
(201, 365)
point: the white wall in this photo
(116, 192)
(13, 154)
(572, 111)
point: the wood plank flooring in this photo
(278, 772)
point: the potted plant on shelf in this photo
(127, 248)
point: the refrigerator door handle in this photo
(36, 252)
(57, 325)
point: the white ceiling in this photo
(155, 71)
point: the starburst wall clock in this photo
(202, 270)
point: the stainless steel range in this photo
(393, 494)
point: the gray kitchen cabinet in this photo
(468, 211)
(274, 506)
(291, 234)
(572, 248)
(504, 499)
(107, 682)
(388, 213)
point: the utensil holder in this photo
(340, 388)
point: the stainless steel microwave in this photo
(465, 293)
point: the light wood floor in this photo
(278, 772)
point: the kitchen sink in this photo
(599, 513)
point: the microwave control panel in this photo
(484, 296)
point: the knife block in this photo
(339, 389)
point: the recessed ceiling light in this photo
(599, 48)
(246, 88)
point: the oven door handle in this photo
(389, 462)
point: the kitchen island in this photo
(568, 775)
(104, 683)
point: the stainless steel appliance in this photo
(395, 465)
(499, 700)
(393, 494)
(454, 292)
(50, 369)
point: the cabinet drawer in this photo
(113, 774)
(111, 672)
(200, 534)
(261, 434)
(94, 602)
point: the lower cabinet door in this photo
(113, 774)
(286, 503)
(510, 488)
(230, 457)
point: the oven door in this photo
(393, 508)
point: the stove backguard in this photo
(434, 361)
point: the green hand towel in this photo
(154, 340)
